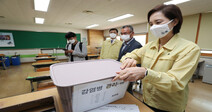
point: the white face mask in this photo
(113, 35)
(160, 31)
(72, 41)
(125, 37)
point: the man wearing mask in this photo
(110, 48)
(76, 51)
(128, 46)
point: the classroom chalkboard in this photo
(32, 39)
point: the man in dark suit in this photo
(129, 44)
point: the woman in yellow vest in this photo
(167, 63)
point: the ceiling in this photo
(21, 12)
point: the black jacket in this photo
(129, 48)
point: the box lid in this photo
(74, 73)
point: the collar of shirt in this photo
(125, 44)
(169, 45)
(112, 41)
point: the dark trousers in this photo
(130, 88)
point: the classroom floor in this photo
(12, 82)
(200, 97)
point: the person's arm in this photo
(102, 51)
(135, 54)
(139, 45)
(173, 80)
(129, 71)
(82, 53)
(178, 76)
(66, 51)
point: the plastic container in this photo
(15, 60)
(7, 61)
(88, 84)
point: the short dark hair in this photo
(171, 12)
(113, 29)
(70, 34)
(128, 26)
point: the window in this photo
(141, 39)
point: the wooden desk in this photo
(45, 58)
(2, 55)
(20, 99)
(37, 74)
(36, 77)
(43, 55)
(43, 65)
(93, 56)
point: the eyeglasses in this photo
(125, 33)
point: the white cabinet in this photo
(207, 76)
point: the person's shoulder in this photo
(188, 43)
(84, 44)
(118, 41)
(136, 43)
(106, 41)
(78, 43)
(186, 46)
(68, 43)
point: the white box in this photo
(87, 84)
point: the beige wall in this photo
(205, 33)
(189, 27)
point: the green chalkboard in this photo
(30, 39)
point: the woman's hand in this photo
(131, 74)
(128, 63)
